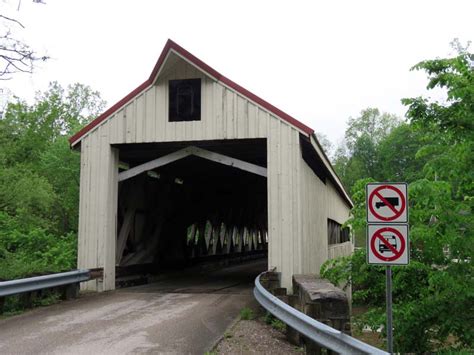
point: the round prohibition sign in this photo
(397, 253)
(396, 213)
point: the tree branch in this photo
(12, 20)
(15, 55)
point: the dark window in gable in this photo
(184, 100)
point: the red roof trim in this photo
(108, 113)
(183, 52)
(204, 67)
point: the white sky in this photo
(319, 61)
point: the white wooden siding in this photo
(342, 249)
(298, 203)
(98, 207)
(225, 114)
(319, 202)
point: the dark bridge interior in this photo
(193, 209)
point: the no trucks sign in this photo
(387, 203)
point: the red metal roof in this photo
(170, 45)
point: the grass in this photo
(247, 313)
(228, 335)
(274, 322)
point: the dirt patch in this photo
(367, 336)
(255, 337)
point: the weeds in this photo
(247, 314)
(275, 323)
(17, 304)
(228, 335)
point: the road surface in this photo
(185, 314)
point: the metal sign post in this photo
(387, 235)
(388, 274)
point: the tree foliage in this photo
(39, 180)
(434, 152)
(358, 157)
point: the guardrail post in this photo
(313, 310)
(270, 280)
(26, 300)
(2, 304)
(291, 334)
(70, 291)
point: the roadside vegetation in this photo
(39, 180)
(433, 150)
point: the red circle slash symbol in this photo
(386, 202)
(386, 245)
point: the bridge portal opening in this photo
(193, 209)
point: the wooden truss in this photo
(199, 152)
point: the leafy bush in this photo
(277, 324)
(27, 252)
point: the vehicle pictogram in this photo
(387, 245)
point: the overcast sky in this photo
(319, 61)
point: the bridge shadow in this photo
(227, 280)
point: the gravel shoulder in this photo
(255, 337)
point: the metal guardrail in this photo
(13, 287)
(318, 332)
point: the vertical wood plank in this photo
(150, 115)
(161, 115)
(110, 233)
(219, 103)
(252, 120)
(83, 201)
(101, 187)
(241, 117)
(112, 123)
(140, 118)
(229, 115)
(130, 123)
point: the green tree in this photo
(433, 294)
(39, 180)
(397, 154)
(372, 125)
(34, 140)
(357, 157)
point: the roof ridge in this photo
(171, 45)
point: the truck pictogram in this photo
(394, 201)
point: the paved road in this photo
(185, 315)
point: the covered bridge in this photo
(190, 164)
